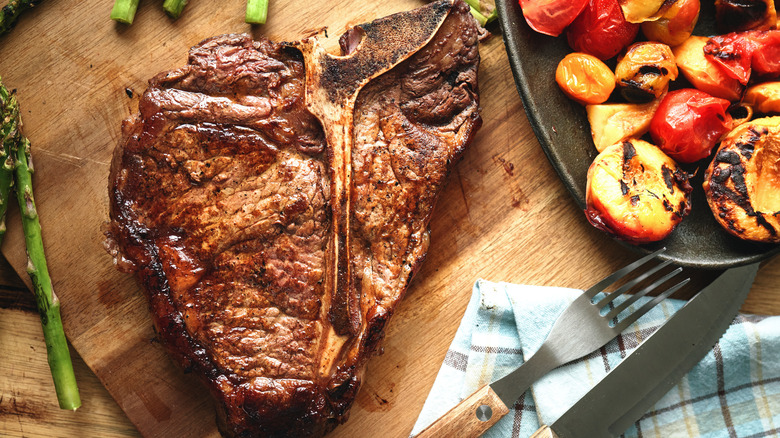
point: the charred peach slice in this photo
(644, 71)
(636, 192)
(676, 25)
(611, 123)
(639, 11)
(763, 98)
(703, 73)
(739, 15)
(742, 183)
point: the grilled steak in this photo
(273, 244)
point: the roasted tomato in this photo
(636, 192)
(644, 71)
(676, 25)
(741, 53)
(739, 15)
(743, 182)
(704, 74)
(766, 54)
(585, 78)
(611, 123)
(764, 98)
(601, 30)
(689, 123)
(551, 17)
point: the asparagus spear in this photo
(9, 116)
(124, 11)
(174, 7)
(256, 11)
(20, 161)
(10, 13)
(484, 12)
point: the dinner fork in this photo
(583, 327)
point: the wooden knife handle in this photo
(544, 432)
(462, 420)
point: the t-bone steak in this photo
(274, 200)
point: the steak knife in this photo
(650, 371)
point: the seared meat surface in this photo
(222, 204)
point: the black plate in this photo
(563, 131)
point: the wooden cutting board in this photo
(503, 216)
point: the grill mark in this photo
(623, 187)
(629, 151)
(735, 171)
(668, 176)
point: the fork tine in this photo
(649, 305)
(616, 311)
(620, 273)
(626, 287)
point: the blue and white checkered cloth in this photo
(733, 392)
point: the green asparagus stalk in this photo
(481, 19)
(256, 11)
(11, 12)
(48, 303)
(124, 11)
(174, 7)
(9, 117)
(20, 161)
(484, 12)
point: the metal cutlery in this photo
(649, 372)
(582, 328)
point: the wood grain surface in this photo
(504, 215)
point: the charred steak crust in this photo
(220, 203)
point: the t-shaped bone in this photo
(332, 86)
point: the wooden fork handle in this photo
(544, 432)
(462, 420)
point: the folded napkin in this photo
(733, 392)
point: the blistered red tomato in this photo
(551, 17)
(689, 123)
(601, 30)
(766, 56)
(740, 53)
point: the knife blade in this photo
(650, 371)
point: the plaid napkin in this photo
(733, 392)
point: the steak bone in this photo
(333, 83)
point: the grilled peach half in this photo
(742, 183)
(636, 193)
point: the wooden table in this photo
(503, 216)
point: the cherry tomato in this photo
(585, 78)
(689, 123)
(739, 53)
(550, 17)
(601, 30)
(766, 56)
